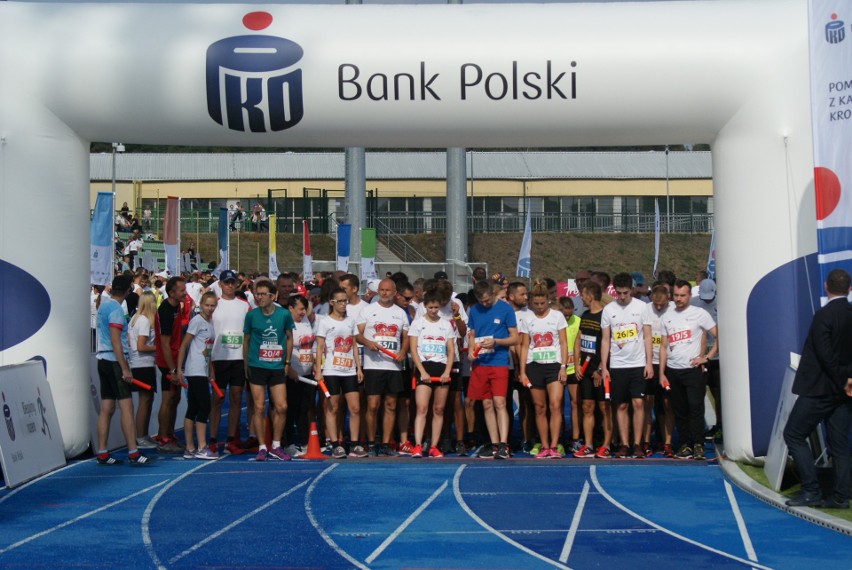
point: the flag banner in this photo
(656, 237)
(224, 238)
(711, 258)
(273, 260)
(831, 108)
(171, 235)
(368, 253)
(148, 261)
(523, 269)
(307, 270)
(344, 236)
(102, 240)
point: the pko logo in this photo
(252, 82)
(835, 30)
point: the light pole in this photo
(668, 209)
(116, 147)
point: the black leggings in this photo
(198, 399)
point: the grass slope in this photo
(553, 255)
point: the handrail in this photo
(397, 245)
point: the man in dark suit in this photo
(824, 386)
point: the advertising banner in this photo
(31, 444)
(831, 108)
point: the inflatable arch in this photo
(733, 73)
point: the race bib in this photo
(388, 342)
(678, 337)
(305, 357)
(270, 353)
(544, 354)
(342, 363)
(433, 350)
(625, 333)
(478, 341)
(657, 340)
(588, 343)
(232, 340)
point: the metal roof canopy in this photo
(519, 165)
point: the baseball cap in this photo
(707, 290)
(373, 285)
(227, 275)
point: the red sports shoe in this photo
(435, 452)
(406, 448)
(416, 451)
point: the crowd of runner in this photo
(408, 368)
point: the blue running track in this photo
(403, 513)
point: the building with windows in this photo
(406, 191)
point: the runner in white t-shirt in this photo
(543, 352)
(194, 369)
(301, 397)
(681, 361)
(228, 320)
(339, 365)
(433, 347)
(140, 337)
(383, 330)
(656, 394)
(452, 310)
(624, 360)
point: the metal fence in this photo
(430, 222)
(207, 221)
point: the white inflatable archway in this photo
(733, 73)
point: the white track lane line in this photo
(310, 512)
(387, 542)
(237, 522)
(749, 547)
(79, 518)
(146, 516)
(575, 523)
(494, 531)
(14, 491)
(596, 483)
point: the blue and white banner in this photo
(274, 272)
(171, 235)
(831, 108)
(307, 259)
(656, 237)
(224, 242)
(102, 240)
(711, 258)
(344, 235)
(524, 255)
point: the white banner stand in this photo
(31, 445)
(116, 437)
(776, 456)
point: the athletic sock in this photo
(261, 446)
(103, 454)
(133, 454)
(276, 444)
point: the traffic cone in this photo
(313, 445)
